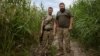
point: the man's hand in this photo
(54, 33)
(70, 28)
(41, 32)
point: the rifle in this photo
(41, 35)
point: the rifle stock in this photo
(41, 35)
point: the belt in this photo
(48, 29)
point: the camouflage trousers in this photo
(63, 37)
(48, 38)
(47, 42)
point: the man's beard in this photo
(62, 10)
(50, 13)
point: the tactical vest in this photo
(48, 22)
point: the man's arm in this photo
(55, 24)
(71, 23)
(42, 26)
(54, 28)
(71, 20)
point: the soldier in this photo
(47, 29)
(63, 24)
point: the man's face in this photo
(62, 7)
(50, 11)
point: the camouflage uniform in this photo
(48, 32)
(63, 22)
(63, 40)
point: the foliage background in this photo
(87, 23)
(20, 24)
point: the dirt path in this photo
(75, 47)
(77, 50)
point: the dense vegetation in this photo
(87, 22)
(19, 25)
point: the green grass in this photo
(19, 26)
(86, 23)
